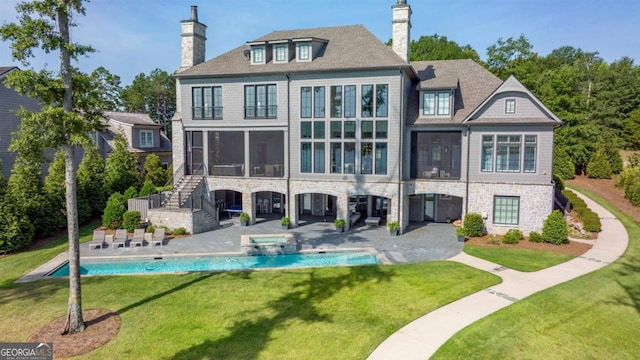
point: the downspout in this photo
(466, 202)
(401, 151)
(288, 197)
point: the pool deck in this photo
(421, 242)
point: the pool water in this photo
(218, 263)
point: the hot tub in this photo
(268, 244)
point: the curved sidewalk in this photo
(421, 338)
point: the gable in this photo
(512, 103)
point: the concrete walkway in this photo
(421, 338)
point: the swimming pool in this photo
(217, 263)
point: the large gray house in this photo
(332, 122)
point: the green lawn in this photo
(323, 313)
(519, 259)
(596, 316)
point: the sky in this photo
(138, 36)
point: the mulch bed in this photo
(572, 248)
(100, 327)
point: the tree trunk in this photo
(74, 323)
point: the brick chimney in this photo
(193, 40)
(401, 29)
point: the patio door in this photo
(195, 155)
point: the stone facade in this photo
(401, 29)
(536, 203)
(195, 222)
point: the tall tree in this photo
(45, 24)
(436, 47)
(153, 94)
(505, 56)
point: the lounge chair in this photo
(120, 238)
(98, 239)
(138, 238)
(158, 237)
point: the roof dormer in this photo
(307, 49)
(259, 52)
(282, 51)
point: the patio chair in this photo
(158, 237)
(120, 238)
(138, 238)
(98, 239)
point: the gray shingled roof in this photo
(348, 47)
(6, 69)
(130, 118)
(474, 85)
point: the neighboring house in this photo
(10, 102)
(332, 122)
(144, 136)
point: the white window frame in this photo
(285, 51)
(506, 215)
(255, 59)
(303, 55)
(510, 106)
(146, 138)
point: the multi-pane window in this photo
(349, 129)
(207, 103)
(487, 153)
(280, 53)
(349, 157)
(305, 102)
(257, 55)
(336, 130)
(530, 146)
(366, 129)
(381, 129)
(312, 151)
(305, 157)
(304, 52)
(146, 138)
(506, 210)
(336, 101)
(336, 157)
(508, 153)
(318, 157)
(510, 106)
(436, 103)
(260, 101)
(367, 101)
(318, 101)
(366, 158)
(349, 101)
(381, 158)
(382, 98)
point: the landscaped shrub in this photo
(113, 212)
(180, 231)
(591, 222)
(563, 166)
(632, 191)
(493, 240)
(147, 189)
(615, 160)
(558, 182)
(130, 194)
(473, 225)
(599, 166)
(555, 230)
(535, 236)
(513, 236)
(17, 230)
(131, 220)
